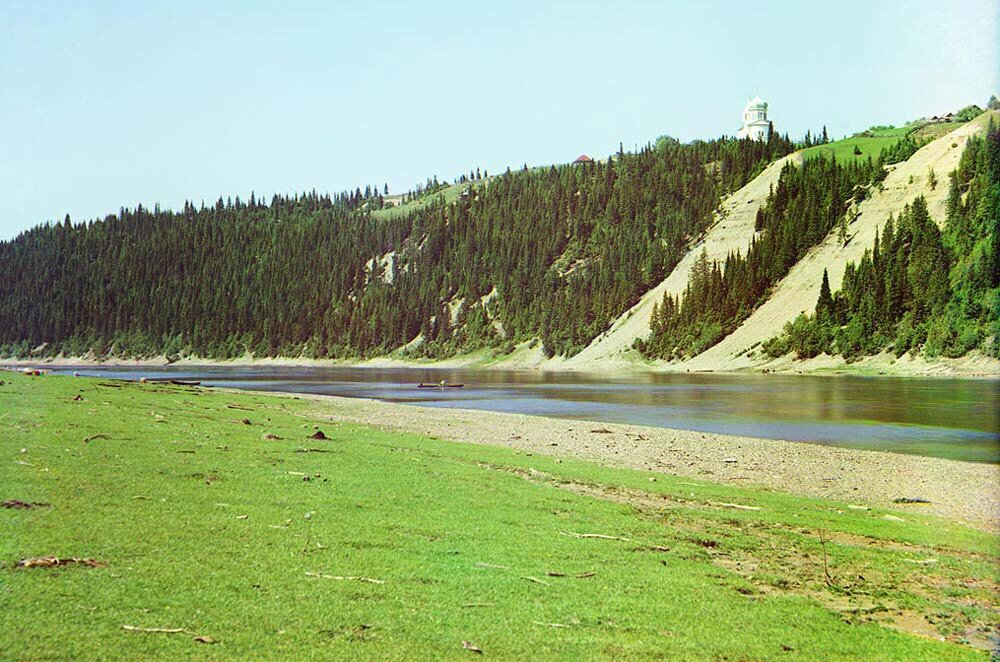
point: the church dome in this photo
(757, 102)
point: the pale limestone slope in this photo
(798, 291)
(731, 231)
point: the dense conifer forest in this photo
(919, 289)
(552, 253)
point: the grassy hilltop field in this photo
(191, 522)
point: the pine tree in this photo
(824, 305)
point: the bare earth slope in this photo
(798, 291)
(732, 231)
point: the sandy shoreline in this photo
(974, 366)
(962, 491)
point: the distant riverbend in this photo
(948, 418)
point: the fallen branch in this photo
(551, 625)
(582, 575)
(598, 536)
(369, 580)
(536, 580)
(738, 506)
(200, 638)
(92, 437)
(23, 505)
(478, 604)
(136, 628)
(826, 568)
(56, 562)
(240, 407)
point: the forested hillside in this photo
(554, 253)
(806, 204)
(934, 294)
(919, 289)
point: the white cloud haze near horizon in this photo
(112, 104)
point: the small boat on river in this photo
(441, 384)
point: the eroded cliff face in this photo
(798, 291)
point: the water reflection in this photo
(951, 418)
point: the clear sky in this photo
(109, 104)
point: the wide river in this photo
(951, 418)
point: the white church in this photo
(755, 122)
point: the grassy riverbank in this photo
(217, 514)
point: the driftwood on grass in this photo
(469, 646)
(355, 578)
(536, 580)
(200, 638)
(58, 562)
(92, 437)
(23, 505)
(551, 625)
(582, 575)
(652, 548)
(738, 506)
(598, 536)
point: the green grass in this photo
(872, 142)
(202, 524)
(843, 150)
(450, 193)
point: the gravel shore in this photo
(962, 491)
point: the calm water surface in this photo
(953, 418)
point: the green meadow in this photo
(450, 194)
(843, 150)
(217, 518)
(871, 142)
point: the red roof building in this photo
(583, 158)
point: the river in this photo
(951, 418)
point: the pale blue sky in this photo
(105, 104)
